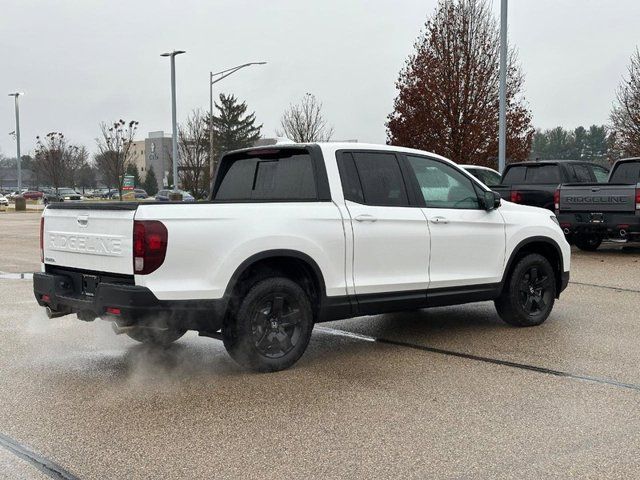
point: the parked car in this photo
(592, 212)
(69, 195)
(534, 183)
(486, 175)
(298, 234)
(163, 196)
(33, 195)
(4, 201)
(140, 193)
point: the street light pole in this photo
(18, 158)
(174, 124)
(221, 75)
(502, 129)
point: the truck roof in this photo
(334, 146)
(549, 162)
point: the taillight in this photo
(556, 200)
(637, 198)
(516, 196)
(149, 245)
(42, 239)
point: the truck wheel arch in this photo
(279, 260)
(546, 247)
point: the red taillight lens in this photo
(42, 239)
(516, 196)
(556, 199)
(149, 245)
(637, 198)
(113, 311)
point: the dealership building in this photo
(154, 152)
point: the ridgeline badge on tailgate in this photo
(108, 245)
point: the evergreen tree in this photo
(150, 182)
(233, 128)
(132, 169)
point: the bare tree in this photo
(114, 145)
(57, 161)
(193, 149)
(448, 89)
(304, 122)
(625, 117)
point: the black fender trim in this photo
(560, 284)
(329, 308)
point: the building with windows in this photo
(153, 152)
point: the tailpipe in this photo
(566, 231)
(51, 313)
(623, 233)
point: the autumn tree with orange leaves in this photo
(447, 99)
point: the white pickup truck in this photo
(298, 234)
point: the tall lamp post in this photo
(220, 76)
(15, 96)
(174, 125)
(502, 129)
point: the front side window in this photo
(443, 186)
(601, 173)
(286, 175)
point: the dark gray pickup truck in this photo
(591, 212)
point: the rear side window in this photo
(583, 173)
(514, 175)
(381, 179)
(275, 175)
(626, 172)
(543, 174)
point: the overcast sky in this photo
(82, 62)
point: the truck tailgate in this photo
(597, 197)
(89, 238)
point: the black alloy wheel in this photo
(275, 325)
(588, 243)
(270, 328)
(535, 293)
(529, 292)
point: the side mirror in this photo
(490, 200)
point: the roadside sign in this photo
(129, 183)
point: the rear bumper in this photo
(611, 226)
(135, 304)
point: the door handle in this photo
(365, 217)
(439, 220)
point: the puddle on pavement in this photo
(16, 276)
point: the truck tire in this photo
(151, 336)
(271, 328)
(529, 292)
(588, 243)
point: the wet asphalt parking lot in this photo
(441, 393)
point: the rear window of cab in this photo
(267, 175)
